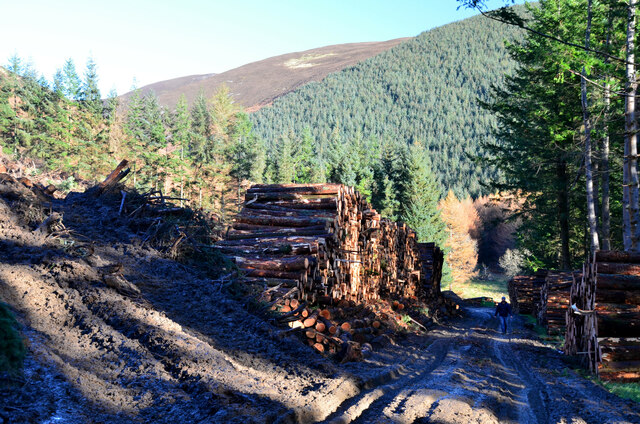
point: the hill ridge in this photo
(258, 83)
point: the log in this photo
(617, 256)
(618, 282)
(618, 268)
(295, 263)
(295, 188)
(271, 273)
(272, 210)
(281, 249)
(273, 240)
(281, 221)
(237, 235)
(113, 178)
(270, 282)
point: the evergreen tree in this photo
(90, 93)
(58, 83)
(420, 196)
(202, 143)
(72, 83)
(284, 161)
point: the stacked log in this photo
(618, 314)
(581, 338)
(330, 243)
(605, 323)
(432, 259)
(554, 302)
(524, 292)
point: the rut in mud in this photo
(185, 351)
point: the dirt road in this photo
(184, 351)
(468, 372)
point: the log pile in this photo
(432, 259)
(345, 330)
(609, 325)
(329, 243)
(554, 302)
(618, 314)
(524, 292)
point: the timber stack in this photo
(554, 301)
(432, 259)
(605, 322)
(327, 242)
(524, 292)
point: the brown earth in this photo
(259, 83)
(183, 350)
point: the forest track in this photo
(467, 372)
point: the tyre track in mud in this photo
(472, 373)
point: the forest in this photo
(473, 108)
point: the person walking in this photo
(503, 309)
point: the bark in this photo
(618, 268)
(630, 137)
(617, 256)
(279, 264)
(295, 188)
(586, 119)
(563, 213)
(605, 211)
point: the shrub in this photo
(512, 262)
(12, 349)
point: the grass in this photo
(494, 286)
(624, 390)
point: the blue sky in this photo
(158, 40)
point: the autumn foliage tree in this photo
(462, 221)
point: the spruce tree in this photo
(89, 92)
(420, 196)
(72, 83)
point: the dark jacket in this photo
(503, 309)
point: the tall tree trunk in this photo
(629, 222)
(588, 155)
(563, 213)
(605, 211)
(604, 172)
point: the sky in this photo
(139, 42)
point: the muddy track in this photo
(469, 372)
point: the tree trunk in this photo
(588, 160)
(629, 222)
(604, 165)
(563, 214)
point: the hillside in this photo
(423, 90)
(259, 83)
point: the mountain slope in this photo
(259, 83)
(424, 90)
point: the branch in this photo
(619, 93)
(520, 23)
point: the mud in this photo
(184, 350)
